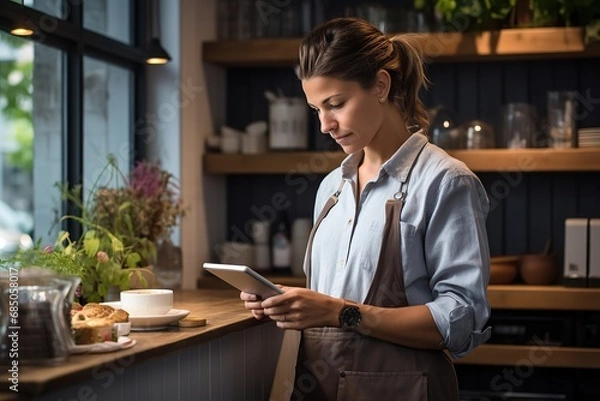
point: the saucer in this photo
(152, 322)
(106, 346)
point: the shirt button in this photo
(341, 264)
(350, 222)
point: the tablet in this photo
(244, 279)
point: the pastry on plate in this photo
(96, 323)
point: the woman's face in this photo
(350, 114)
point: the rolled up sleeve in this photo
(456, 323)
(457, 260)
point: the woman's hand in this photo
(301, 308)
(253, 303)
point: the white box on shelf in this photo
(576, 251)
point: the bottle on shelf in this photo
(262, 249)
(281, 247)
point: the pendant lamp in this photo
(156, 54)
(19, 27)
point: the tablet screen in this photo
(244, 279)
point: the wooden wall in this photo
(527, 208)
(239, 366)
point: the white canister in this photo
(260, 231)
(288, 123)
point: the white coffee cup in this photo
(147, 302)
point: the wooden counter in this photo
(223, 310)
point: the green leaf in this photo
(125, 206)
(125, 282)
(91, 246)
(117, 244)
(62, 236)
(133, 259)
(102, 290)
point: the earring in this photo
(382, 100)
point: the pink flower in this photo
(48, 249)
(147, 180)
(102, 257)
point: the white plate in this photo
(107, 346)
(153, 322)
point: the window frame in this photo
(70, 36)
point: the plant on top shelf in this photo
(469, 15)
(476, 15)
(123, 219)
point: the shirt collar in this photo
(397, 166)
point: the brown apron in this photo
(337, 364)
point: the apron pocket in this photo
(367, 386)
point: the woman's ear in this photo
(382, 85)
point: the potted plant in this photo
(123, 219)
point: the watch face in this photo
(350, 317)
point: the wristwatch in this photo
(350, 317)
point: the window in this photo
(53, 8)
(67, 100)
(109, 17)
(106, 118)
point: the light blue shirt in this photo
(445, 251)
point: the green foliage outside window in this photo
(16, 96)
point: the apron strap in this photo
(331, 202)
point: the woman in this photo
(398, 260)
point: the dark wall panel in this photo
(514, 83)
(564, 198)
(589, 89)
(539, 83)
(468, 96)
(497, 190)
(490, 95)
(516, 229)
(539, 211)
(443, 85)
(589, 196)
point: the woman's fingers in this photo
(258, 314)
(246, 296)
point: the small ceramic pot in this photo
(538, 268)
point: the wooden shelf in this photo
(530, 160)
(533, 356)
(272, 163)
(440, 47)
(488, 160)
(546, 297)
